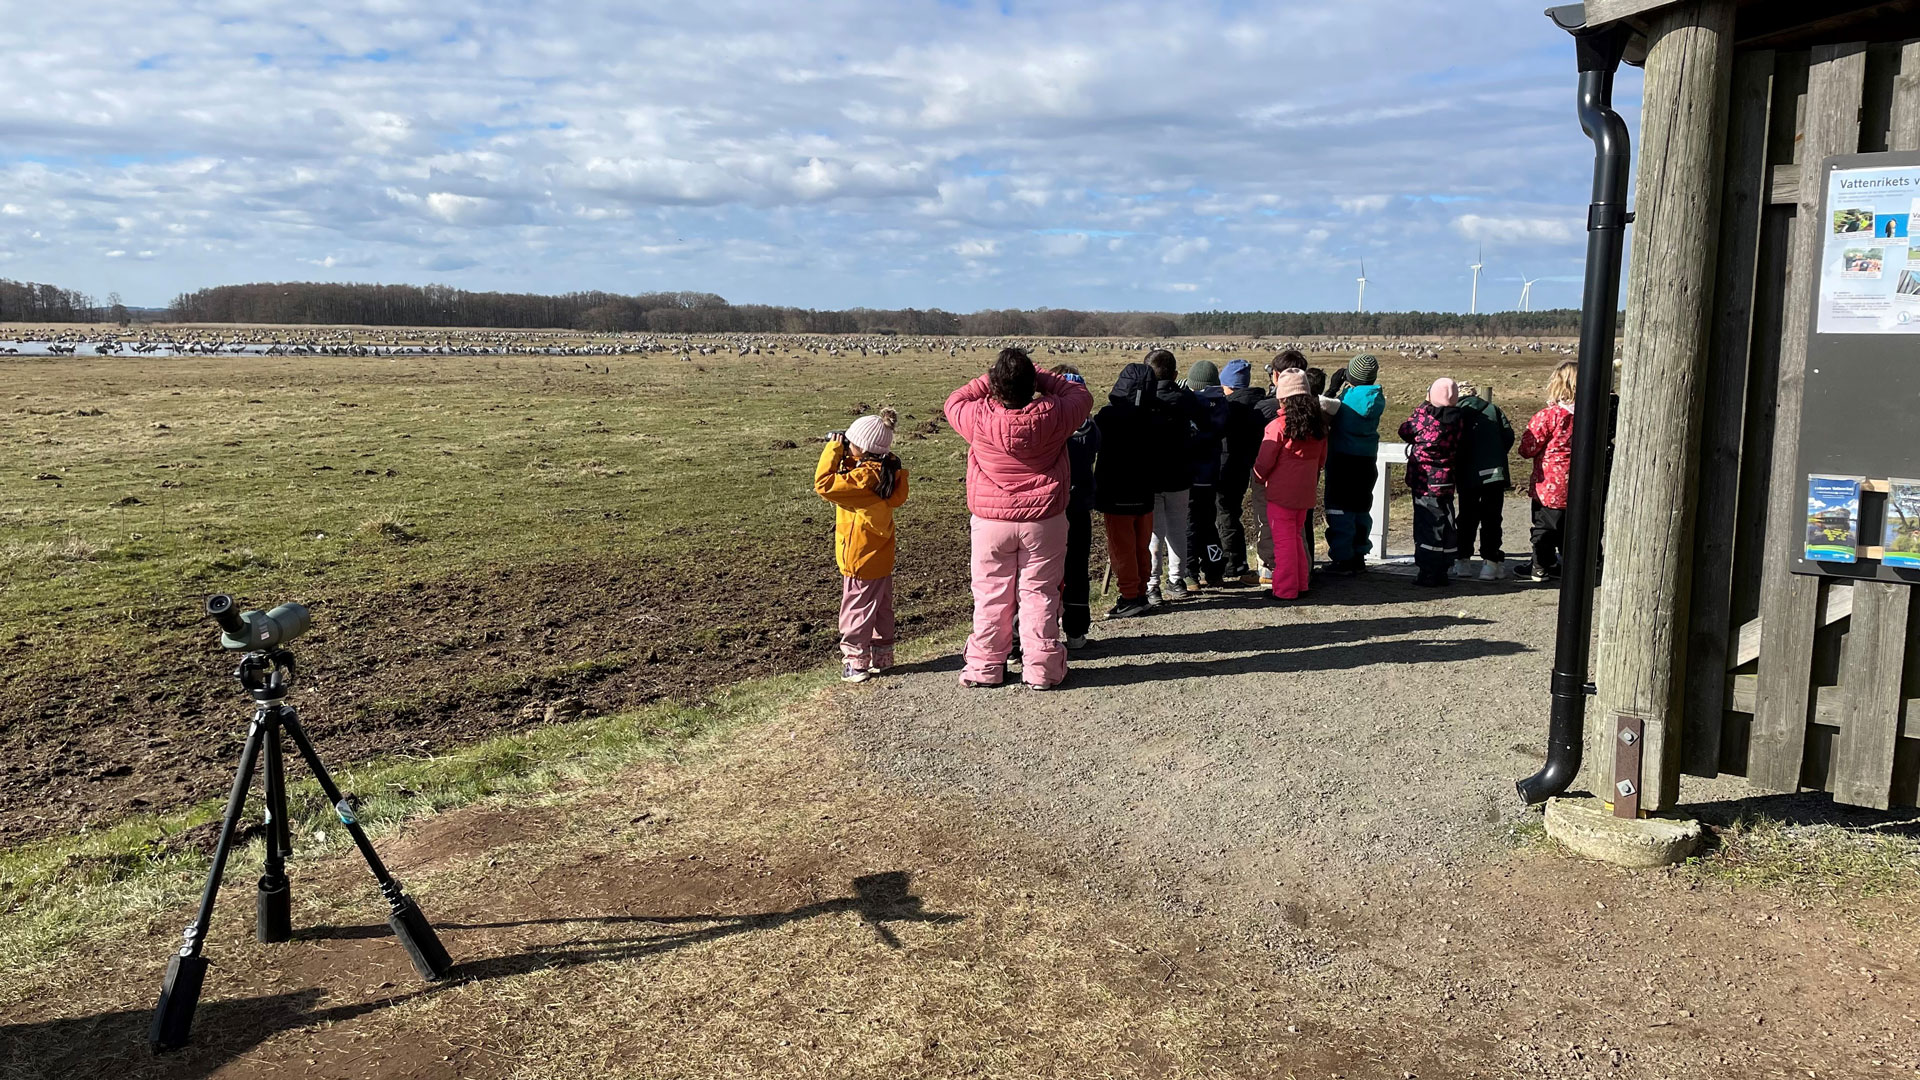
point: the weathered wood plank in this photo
(1876, 101)
(1789, 603)
(1650, 506)
(1839, 605)
(1862, 772)
(1722, 417)
(1903, 126)
(1783, 184)
(1829, 702)
(1606, 11)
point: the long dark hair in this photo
(1305, 419)
(1010, 380)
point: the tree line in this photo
(320, 303)
(31, 301)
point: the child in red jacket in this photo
(1549, 442)
(1291, 453)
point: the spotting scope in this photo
(251, 631)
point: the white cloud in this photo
(1181, 286)
(1364, 204)
(1182, 250)
(829, 154)
(1065, 245)
(1519, 230)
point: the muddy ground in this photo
(425, 668)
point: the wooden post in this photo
(1643, 598)
(1790, 603)
(1723, 418)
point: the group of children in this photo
(1169, 464)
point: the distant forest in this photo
(705, 313)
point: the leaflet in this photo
(1833, 518)
(1869, 273)
(1902, 539)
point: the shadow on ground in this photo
(114, 1044)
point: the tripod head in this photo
(267, 674)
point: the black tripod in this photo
(267, 675)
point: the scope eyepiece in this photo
(248, 631)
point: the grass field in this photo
(485, 542)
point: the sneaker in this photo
(1154, 599)
(1463, 568)
(971, 685)
(1493, 571)
(1177, 590)
(1127, 609)
(1075, 644)
(1248, 578)
(1038, 687)
(852, 672)
(1266, 578)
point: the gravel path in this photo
(1372, 733)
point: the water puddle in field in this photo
(94, 348)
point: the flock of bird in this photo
(398, 341)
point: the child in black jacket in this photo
(1082, 450)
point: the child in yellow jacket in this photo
(865, 483)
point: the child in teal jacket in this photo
(1353, 445)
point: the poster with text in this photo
(1869, 275)
(1902, 540)
(1833, 518)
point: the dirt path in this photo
(1192, 874)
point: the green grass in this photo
(77, 887)
(1825, 861)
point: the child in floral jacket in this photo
(1432, 435)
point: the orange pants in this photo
(1130, 547)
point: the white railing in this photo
(1389, 454)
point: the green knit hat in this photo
(1203, 373)
(1363, 368)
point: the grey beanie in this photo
(1363, 368)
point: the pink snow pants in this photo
(1017, 567)
(1290, 561)
(866, 622)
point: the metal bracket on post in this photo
(1629, 736)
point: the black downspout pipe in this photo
(1600, 52)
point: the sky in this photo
(961, 154)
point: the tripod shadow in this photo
(115, 1044)
(878, 899)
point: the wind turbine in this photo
(1526, 293)
(1478, 263)
(1360, 306)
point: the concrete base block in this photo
(1588, 828)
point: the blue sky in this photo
(825, 153)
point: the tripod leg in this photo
(272, 905)
(409, 924)
(187, 971)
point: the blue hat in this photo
(1237, 375)
(1072, 378)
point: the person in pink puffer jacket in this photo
(1016, 421)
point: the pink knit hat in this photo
(1444, 393)
(1291, 383)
